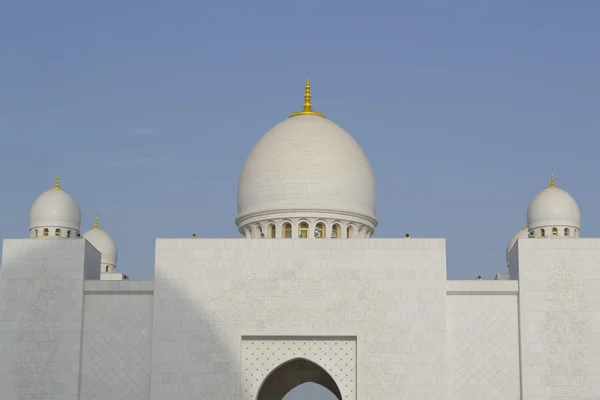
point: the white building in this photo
(305, 296)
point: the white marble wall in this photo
(559, 296)
(389, 293)
(483, 340)
(117, 345)
(41, 310)
(64, 334)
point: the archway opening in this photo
(290, 375)
(310, 391)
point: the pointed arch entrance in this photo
(327, 361)
(294, 373)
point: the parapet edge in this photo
(481, 287)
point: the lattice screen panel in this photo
(337, 357)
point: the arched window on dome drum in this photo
(303, 230)
(106, 269)
(349, 232)
(46, 231)
(335, 231)
(542, 232)
(554, 232)
(69, 233)
(35, 233)
(57, 232)
(287, 230)
(320, 231)
(567, 232)
(272, 231)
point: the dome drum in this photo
(555, 231)
(49, 231)
(554, 223)
(309, 228)
(54, 223)
(263, 218)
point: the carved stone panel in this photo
(261, 356)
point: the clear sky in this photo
(148, 110)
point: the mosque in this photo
(305, 295)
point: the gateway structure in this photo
(305, 296)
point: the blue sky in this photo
(148, 111)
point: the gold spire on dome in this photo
(552, 185)
(96, 224)
(307, 110)
(57, 183)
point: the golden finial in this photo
(56, 183)
(552, 185)
(96, 224)
(307, 110)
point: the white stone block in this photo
(560, 341)
(40, 355)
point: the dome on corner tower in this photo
(553, 207)
(105, 245)
(307, 164)
(522, 234)
(55, 211)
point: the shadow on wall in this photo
(191, 352)
(195, 353)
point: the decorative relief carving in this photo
(564, 335)
(262, 357)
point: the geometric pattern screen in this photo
(261, 356)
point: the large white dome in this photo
(553, 207)
(522, 234)
(103, 243)
(307, 163)
(55, 208)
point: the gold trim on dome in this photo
(307, 110)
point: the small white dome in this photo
(307, 164)
(55, 208)
(103, 243)
(522, 234)
(553, 207)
